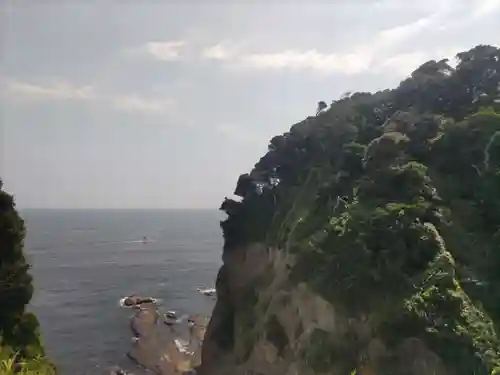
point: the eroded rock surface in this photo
(155, 347)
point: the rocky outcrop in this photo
(136, 300)
(364, 242)
(155, 348)
(265, 324)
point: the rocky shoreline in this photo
(164, 349)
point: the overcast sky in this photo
(154, 104)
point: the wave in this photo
(102, 243)
(182, 345)
(181, 319)
(139, 241)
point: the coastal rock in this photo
(364, 242)
(137, 300)
(156, 345)
(119, 371)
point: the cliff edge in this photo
(366, 241)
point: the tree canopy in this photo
(19, 329)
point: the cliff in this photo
(366, 240)
(21, 350)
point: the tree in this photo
(18, 329)
(321, 107)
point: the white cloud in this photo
(485, 8)
(163, 51)
(359, 60)
(421, 5)
(404, 63)
(314, 60)
(398, 34)
(218, 52)
(376, 54)
(385, 51)
(469, 13)
(135, 103)
(56, 91)
(350, 63)
(62, 91)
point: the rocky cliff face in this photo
(366, 240)
(273, 326)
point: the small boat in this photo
(170, 318)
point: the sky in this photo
(160, 104)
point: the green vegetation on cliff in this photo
(20, 346)
(390, 203)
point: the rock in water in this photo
(119, 371)
(367, 238)
(137, 300)
(129, 301)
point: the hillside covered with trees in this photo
(20, 348)
(389, 203)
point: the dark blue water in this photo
(84, 261)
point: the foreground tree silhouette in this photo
(18, 328)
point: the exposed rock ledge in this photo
(155, 347)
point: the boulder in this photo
(137, 300)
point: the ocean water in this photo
(84, 261)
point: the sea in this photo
(85, 261)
